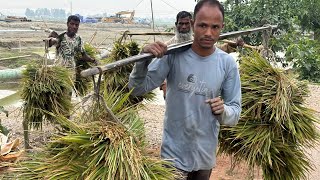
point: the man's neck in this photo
(202, 51)
(71, 35)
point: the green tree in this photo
(296, 19)
(304, 53)
(309, 17)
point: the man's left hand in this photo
(217, 105)
(95, 62)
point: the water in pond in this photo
(9, 94)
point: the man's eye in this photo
(181, 24)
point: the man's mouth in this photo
(208, 40)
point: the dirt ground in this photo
(101, 35)
(106, 34)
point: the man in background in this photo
(182, 28)
(69, 45)
(70, 48)
(183, 33)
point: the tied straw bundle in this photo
(45, 89)
(275, 127)
(98, 146)
(118, 80)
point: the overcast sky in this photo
(162, 8)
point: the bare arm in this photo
(53, 38)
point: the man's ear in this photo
(222, 26)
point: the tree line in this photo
(45, 12)
(297, 35)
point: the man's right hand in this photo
(158, 49)
(53, 41)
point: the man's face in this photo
(73, 27)
(207, 26)
(184, 25)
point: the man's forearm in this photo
(87, 58)
(231, 93)
(53, 41)
(137, 77)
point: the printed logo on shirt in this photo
(192, 78)
(194, 86)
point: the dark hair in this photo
(210, 2)
(73, 17)
(183, 14)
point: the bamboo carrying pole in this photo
(150, 33)
(245, 45)
(171, 49)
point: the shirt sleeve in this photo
(231, 94)
(148, 75)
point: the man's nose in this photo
(208, 32)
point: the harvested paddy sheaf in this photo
(100, 143)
